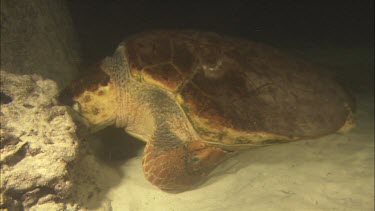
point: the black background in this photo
(102, 24)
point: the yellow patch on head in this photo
(98, 107)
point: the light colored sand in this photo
(331, 173)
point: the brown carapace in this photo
(195, 97)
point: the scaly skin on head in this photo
(173, 162)
(93, 98)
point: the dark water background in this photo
(334, 33)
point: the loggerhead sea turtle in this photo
(197, 97)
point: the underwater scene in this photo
(137, 105)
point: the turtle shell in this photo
(236, 91)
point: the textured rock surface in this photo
(38, 143)
(46, 164)
(37, 36)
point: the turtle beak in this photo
(65, 98)
(79, 118)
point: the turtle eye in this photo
(77, 106)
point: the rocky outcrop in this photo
(39, 143)
(46, 160)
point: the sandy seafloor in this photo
(335, 172)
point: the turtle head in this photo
(180, 168)
(92, 98)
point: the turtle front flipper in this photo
(180, 167)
